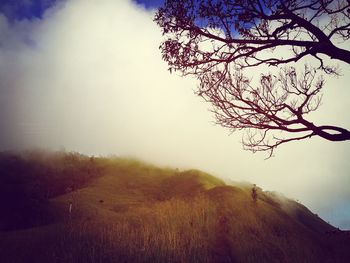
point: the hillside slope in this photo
(133, 212)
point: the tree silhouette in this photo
(218, 41)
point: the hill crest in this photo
(159, 215)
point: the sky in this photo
(87, 76)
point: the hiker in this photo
(254, 193)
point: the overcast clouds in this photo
(88, 77)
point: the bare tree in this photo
(219, 40)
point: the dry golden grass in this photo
(136, 212)
(175, 230)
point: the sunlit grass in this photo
(126, 210)
(171, 231)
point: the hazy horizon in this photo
(88, 77)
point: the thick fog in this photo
(88, 77)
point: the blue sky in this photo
(24, 9)
(150, 3)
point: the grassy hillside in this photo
(123, 210)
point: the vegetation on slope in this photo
(30, 179)
(127, 211)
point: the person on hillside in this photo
(254, 193)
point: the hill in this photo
(66, 207)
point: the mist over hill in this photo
(73, 76)
(68, 207)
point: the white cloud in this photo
(89, 77)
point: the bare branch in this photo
(216, 41)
